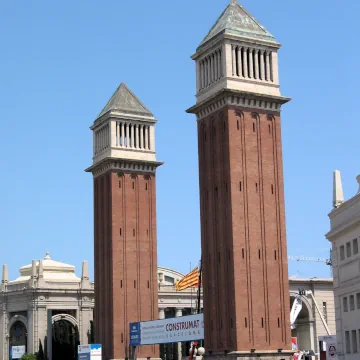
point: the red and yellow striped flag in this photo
(189, 280)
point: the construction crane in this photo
(314, 259)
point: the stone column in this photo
(227, 59)
(49, 333)
(262, 72)
(85, 316)
(205, 72)
(267, 62)
(256, 59)
(275, 73)
(152, 138)
(127, 135)
(146, 137)
(251, 68)
(198, 76)
(3, 329)
(239, 61)
(313, 340)
(31, 345)
(161, 313)
(208, 71)
(141, 136)
(202, 74)
(215, 66)
(113, 133)
(136, 137)
(218, 69)
(132, 136)
(233, 57)
(178, 313)
(245, 59)
(122, 134)
(219, 64)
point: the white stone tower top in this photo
(338, 194)
(237, 54)
(125, 129)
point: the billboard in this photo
(329, 344)
(17, 351)
(89, 352)
(184, 328)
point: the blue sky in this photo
(61, 61)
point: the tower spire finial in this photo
(233, 2)
(338, 195)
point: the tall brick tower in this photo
(124, 167)
(243, 240)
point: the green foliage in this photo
(28, 357)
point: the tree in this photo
(28, 357)
(40, 354)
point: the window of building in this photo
(348, 249)
(358, 301)
(169, 279)
(347, 342)
(324, 311)
(342, 252)
(355, 246)
(354, 341)
(345, 304)
(352, 302)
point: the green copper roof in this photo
(235, 20)
(124, 100)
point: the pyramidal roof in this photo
(235, 20)
(125, 100)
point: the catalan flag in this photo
(189, 280)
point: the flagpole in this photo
(191, 295)
(199, 287)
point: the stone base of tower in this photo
(259, 355)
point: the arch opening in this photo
(65, 337)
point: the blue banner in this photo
(135, 334)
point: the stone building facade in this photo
(48, 291)
(344, 235)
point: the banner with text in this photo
(184, 328)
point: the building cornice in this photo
(344, 206)
(219, 38)
(346, 226)
(123, 115)
(228, 97)
(115, 164)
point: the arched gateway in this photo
(65, 337)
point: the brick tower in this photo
(124, 167)
(243, 240)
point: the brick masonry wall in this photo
(243, 231)
(125, 259)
